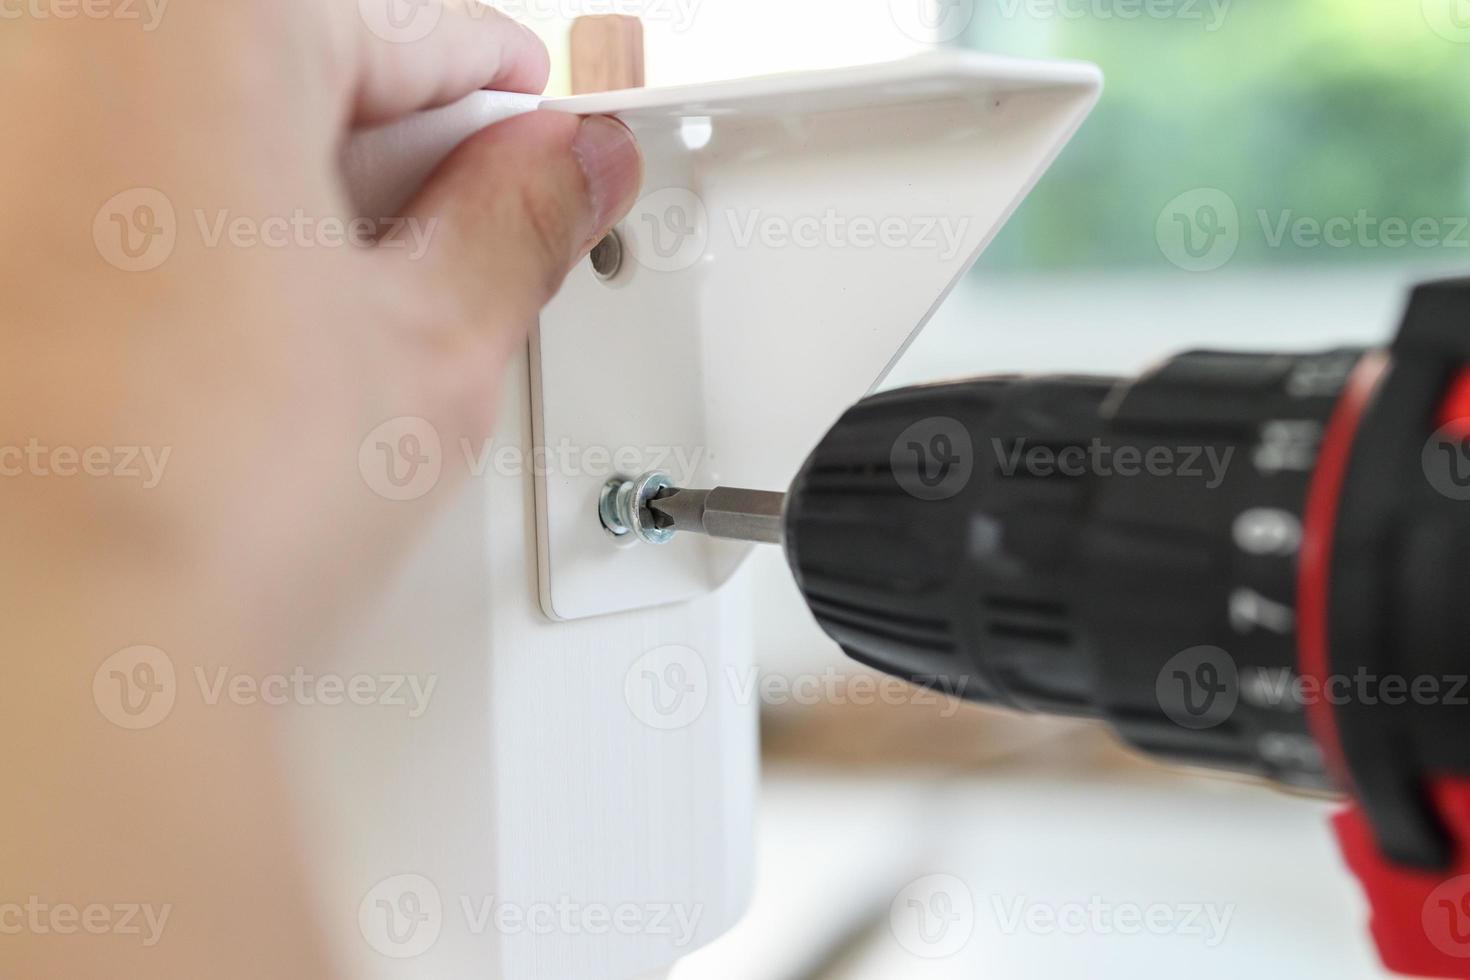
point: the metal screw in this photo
(607, 257)
(623, 508)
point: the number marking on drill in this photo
(1249, 610)
(1291, 751)
(1321, 377)
(1266, 531)
(1288, 447)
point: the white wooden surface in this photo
(531, 779)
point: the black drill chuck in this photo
(1097, 547)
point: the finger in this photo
(517, 205)
(418, 54)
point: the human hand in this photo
(259, 357)
(178, 298)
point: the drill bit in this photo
(724, 512)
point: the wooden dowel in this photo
(607, 53)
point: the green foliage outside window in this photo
(1301, 111)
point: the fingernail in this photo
(612, 164)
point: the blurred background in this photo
(1259, 174)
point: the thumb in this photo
(516, 206)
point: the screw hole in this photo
(607, 257)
